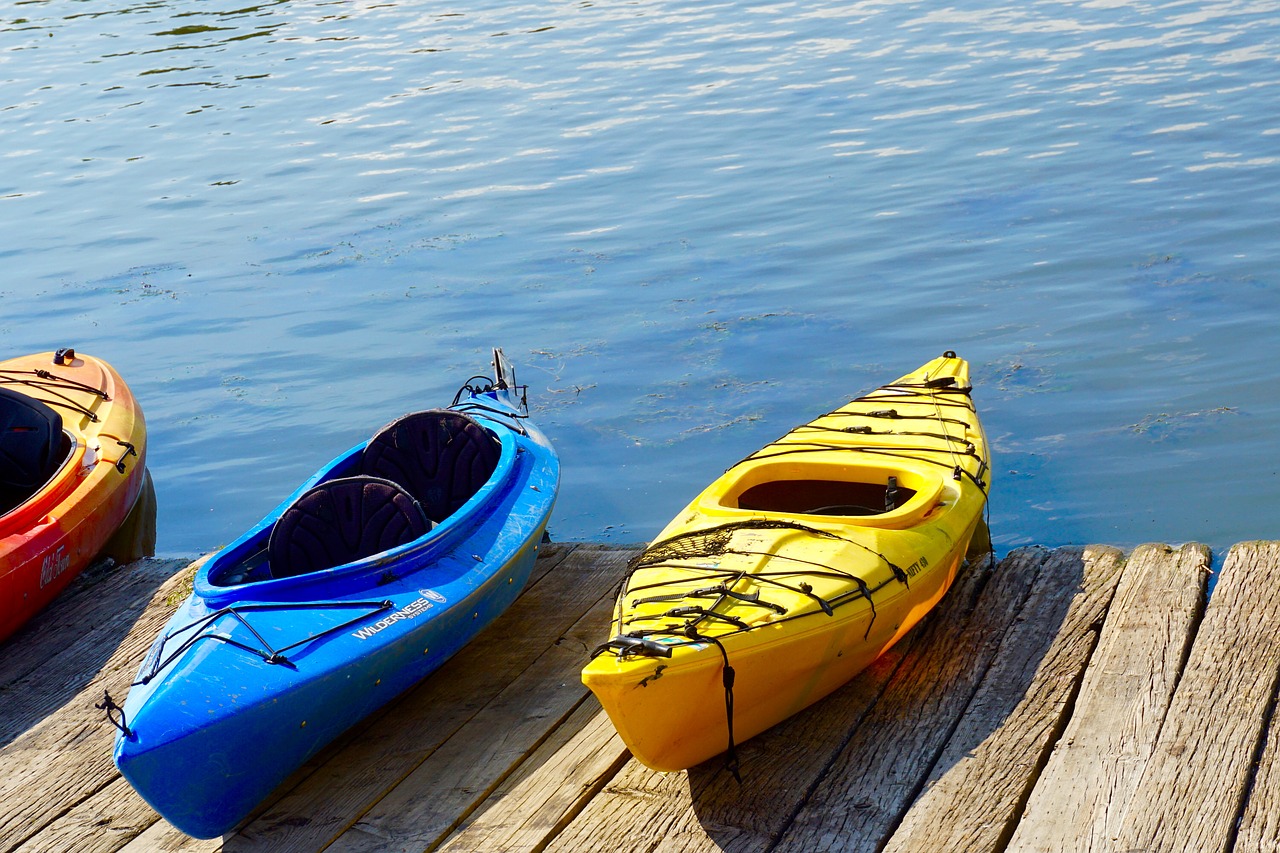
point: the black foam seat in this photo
(30, 446)
(340, 521)
(440, 456)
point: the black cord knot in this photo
(108, 704)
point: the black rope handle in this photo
(108, 704)
(728, 676)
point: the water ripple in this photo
(692, 223)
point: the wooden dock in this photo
(1070, 699)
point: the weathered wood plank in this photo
(870, 782)
(1259, 830)
(419, 812)
(544, 793)
(349, 780)
(100, 824)
(1009, 720)
(1192, 790)
(1080, 799)
(162, 837)
(638, 809)
(64, 754)
(1260, 826)
(705, 809)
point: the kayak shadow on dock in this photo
(863, 766)
(52, 658)
(1007, 641)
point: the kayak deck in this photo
(947, 742)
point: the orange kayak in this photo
(72, 462)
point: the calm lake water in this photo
(692, 225)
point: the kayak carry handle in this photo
(129, 450)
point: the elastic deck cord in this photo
(53, 385)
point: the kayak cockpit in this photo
(890, 496)
(33, 447)
(826, 497)
(396, 497)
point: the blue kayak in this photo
(367, 578)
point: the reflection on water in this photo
(136, 537)
(692, 225)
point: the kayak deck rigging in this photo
(53, 384)
(926, 393)
(679, 551)
(715, 542)
(154, 664)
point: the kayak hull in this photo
(250, 679)
(204, 755)
(50, 538)
(771, 573)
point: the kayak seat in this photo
(341, 521)
(31, 446)
(441, 457)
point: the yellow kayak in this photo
(795, 570)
